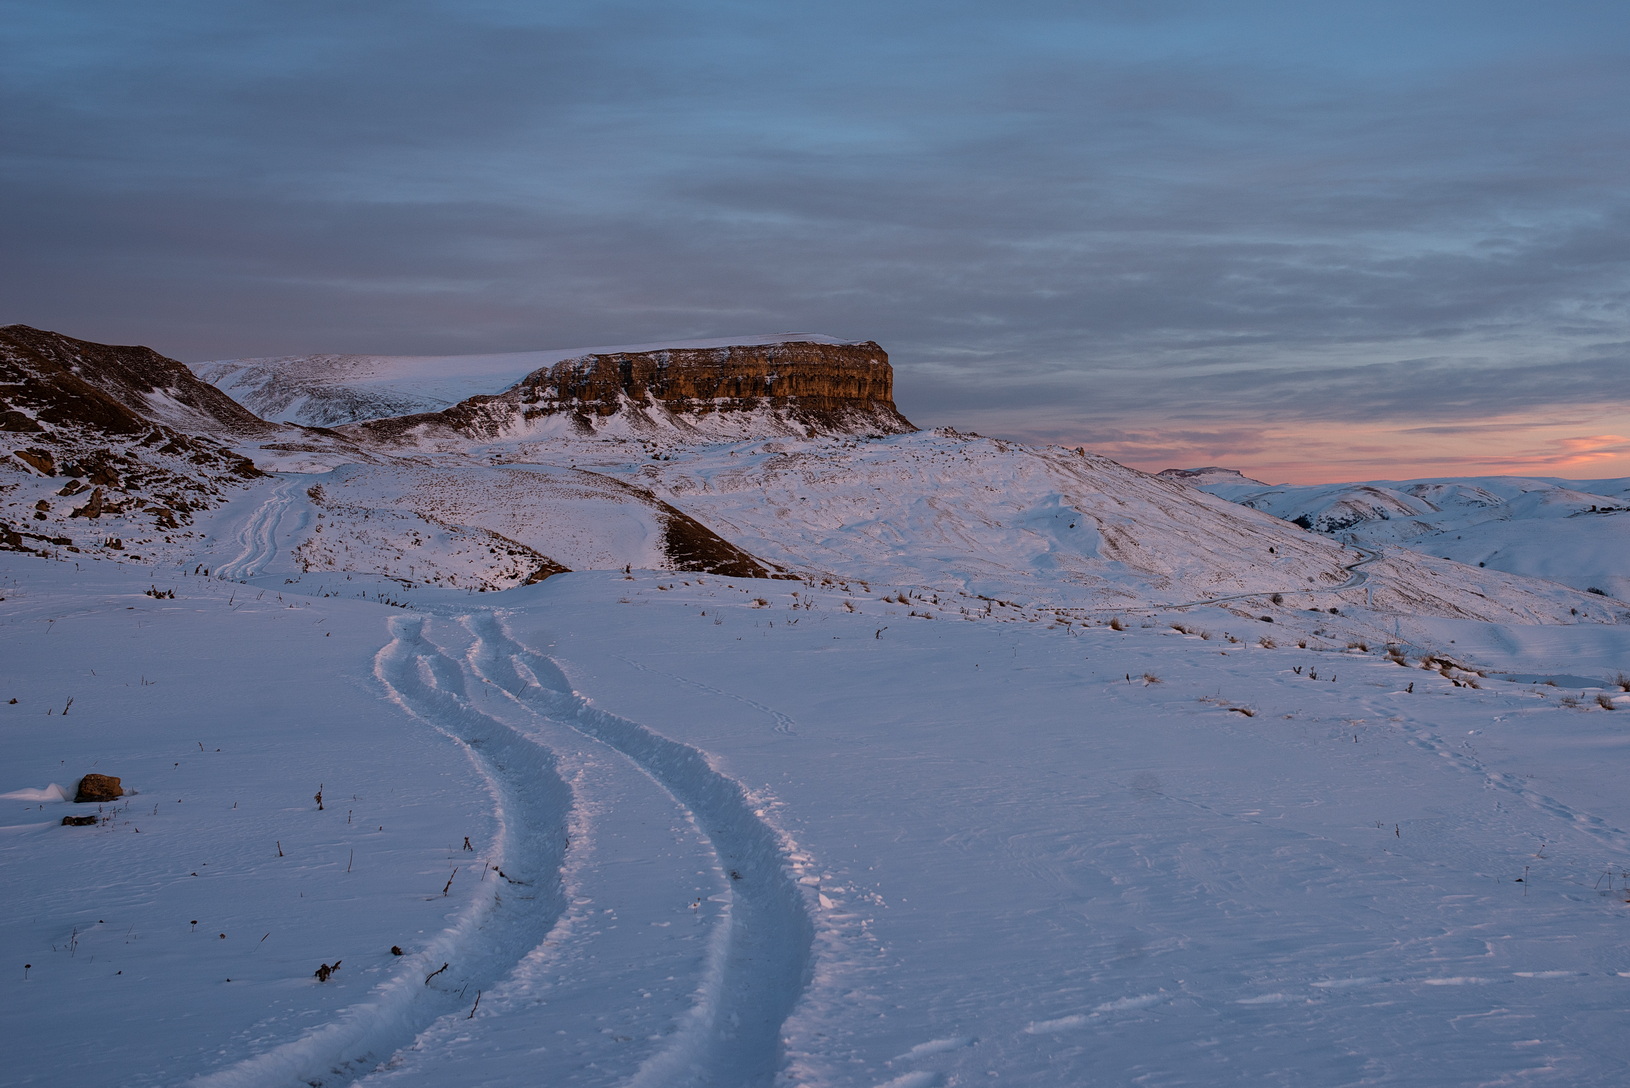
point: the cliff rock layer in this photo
(758, 390)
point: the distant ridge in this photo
(1211, 475)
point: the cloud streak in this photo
(1061, 219)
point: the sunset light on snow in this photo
(815, 543)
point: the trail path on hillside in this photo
(256, 538)
(1356, 576)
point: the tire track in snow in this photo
(764, 966)
(496, 930)
(1356, 577)
(257, 539)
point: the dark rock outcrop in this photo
(797, 387)
(47, 378)
(97, 788)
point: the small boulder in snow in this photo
(98, 787)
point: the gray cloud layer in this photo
(1058, 217)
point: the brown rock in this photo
(92, 509)
(98, 787)
(79, 821)
(39, 460)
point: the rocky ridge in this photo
(730, 392)
(134, 442)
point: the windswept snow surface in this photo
(324, 390)
(1042, 771)
(746, 832)
(1571, 531)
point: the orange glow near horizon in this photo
(1591, 444)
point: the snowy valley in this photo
(681, 715)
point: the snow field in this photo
(973, 842)
(224, 709)
(1091, 878)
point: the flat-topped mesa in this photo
(816, 378)
(728, 392)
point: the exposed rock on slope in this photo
(801, 388)
(120, 442)
(48, 381)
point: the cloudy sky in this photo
(1334, 240)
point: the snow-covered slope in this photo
(489, 527)
(983, 516)
(325, 390)
(693, 830)
(957, 514)
(1035, 770)
(1571, 531)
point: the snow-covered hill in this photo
(1571, 531)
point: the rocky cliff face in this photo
(49, 380)
(759, 390)
(119, 438)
